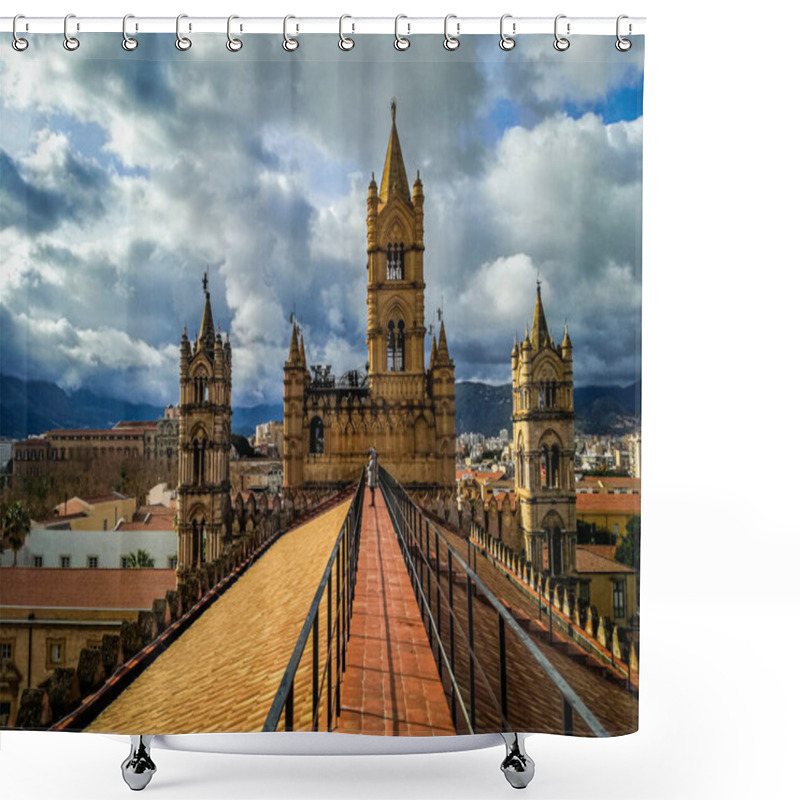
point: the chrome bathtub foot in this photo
(517, 766)
(138, 768)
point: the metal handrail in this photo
(397, 495)
(344, 558)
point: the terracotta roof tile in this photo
(84, 588)
(609, 503)
(591, 562)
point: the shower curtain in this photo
(320, 385)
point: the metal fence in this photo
(320, 693)
(478, 698)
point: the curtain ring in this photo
(561, 43)
(18, 43)
(70, 42)
(181, 42)
(233, 44)
(128, 42)
(451, 42)
(507, 42)
(289, 44)
(623, 45)
(345, 43)
(400, 42)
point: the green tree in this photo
(629, 546)
(16, 524)
(140, 559)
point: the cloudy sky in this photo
(124, 175)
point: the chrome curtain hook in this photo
(507, 42)
(561, 43)
(451, 42)
(233, 44)
(345, 43)
(289, 44)
(18, 43)
(623, 45)
(128, 42)
(181, 42)
(70, 42)
(400, 42)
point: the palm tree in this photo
(16, 526)
(140, 559)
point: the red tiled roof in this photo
(103, 498)
(604, 550)
(147, 423)
(608, 503)
(89, 432)
(479, 476)
(610, 482)
(591, 562)
(84, 588)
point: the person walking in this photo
(372, 473)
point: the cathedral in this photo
(400, 407)
(544, 446)
(205, 441)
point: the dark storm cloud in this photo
(257, 167)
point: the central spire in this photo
(394, 179)
(207, 325)
(539, 335)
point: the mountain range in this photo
(33, 407)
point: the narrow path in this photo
(391, 685)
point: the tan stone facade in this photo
(205, 443)
(403, 409)
(544, 446)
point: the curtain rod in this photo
(406, 25)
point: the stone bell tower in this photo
(544, 445)
(204, 444)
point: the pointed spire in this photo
(515, 349)
(539, 335)
(302, 351)
(433, 351)
(566, 342)
(294, 352)
(442, 355)
(526, 342)
(394, 179)
(206, 335)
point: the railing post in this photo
(568, 725)
(328, 650)
(439, 607)
(288, 719)
(339, 612)
(452, 632)
(501, 646)
(471, 654)
(315, 673)
(428, 565)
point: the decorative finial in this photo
(205, 282)
(394, 109)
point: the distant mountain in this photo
(32, 407)
(482, 408)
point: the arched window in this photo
(555, 550)
(549, 467)
(395, 261)
(199, 461)
(317, 437)
(395, 347)
(547, 394)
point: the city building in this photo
(401, 408)
(543, 435)
(102, 513)
(610, 512)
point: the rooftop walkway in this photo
(222, 674)
(391, 685)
